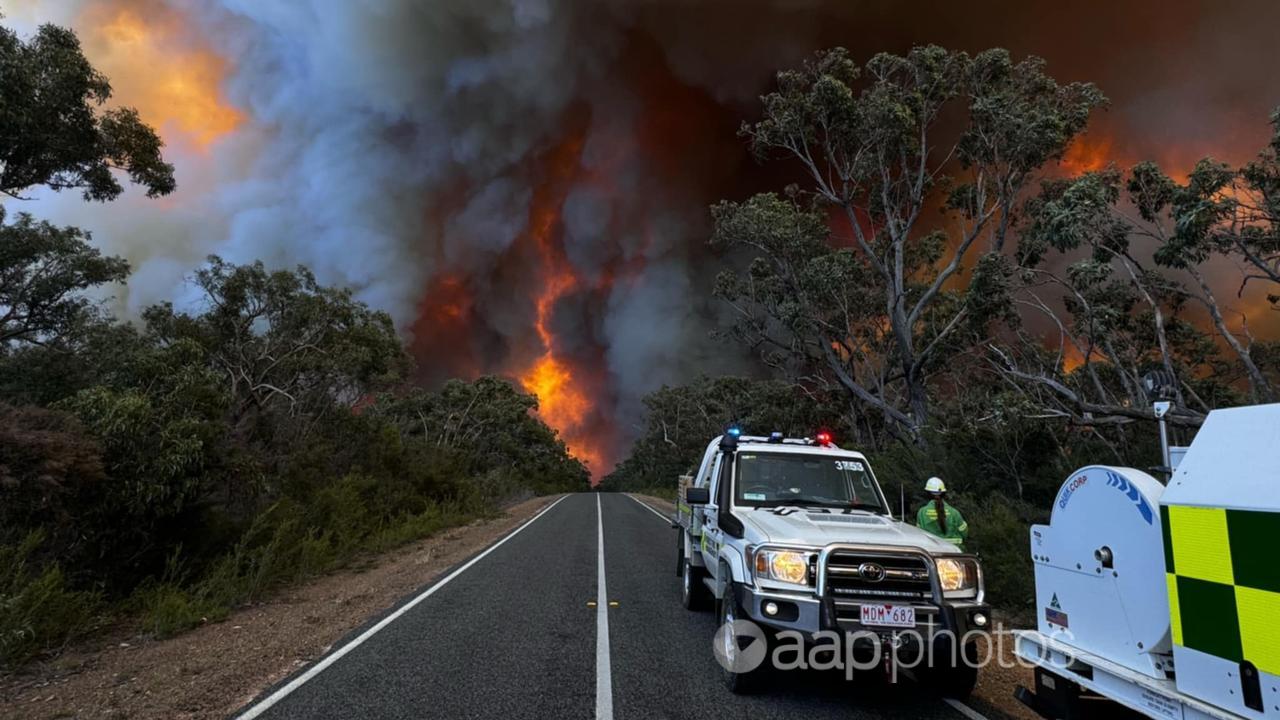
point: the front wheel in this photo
(741, 646)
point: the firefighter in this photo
(939, 518)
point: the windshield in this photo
(770, 479)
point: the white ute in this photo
(796, 535)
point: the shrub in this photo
(286, 543)
(38, 612)
(166, 609)
(51, 475)
(999, 531)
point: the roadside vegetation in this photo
(169, 470)
(938, 291)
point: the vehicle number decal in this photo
(753, 496)
(850, 465)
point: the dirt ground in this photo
(993, 696)
(213, 670)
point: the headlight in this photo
(958, 576)
(786, 566)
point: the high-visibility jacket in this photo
(957, 528)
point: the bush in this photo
(202, 460)
(166, 609)
(51, 476)
(38, 612)
(999, 532)
(286, 543)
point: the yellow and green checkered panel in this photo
(1224, 582)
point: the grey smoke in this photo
(389, 142)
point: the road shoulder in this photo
(213, 670)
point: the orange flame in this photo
(1087, 153)
(156, 67)
(563, 402)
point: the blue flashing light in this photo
(735, 431)
(775, 436)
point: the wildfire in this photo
(563, 401)
(157, 68)
(560, 401)
(1072, 358)
(1087, 154)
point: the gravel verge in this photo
(213, 670)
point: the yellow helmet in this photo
(935, 485)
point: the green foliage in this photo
(286, 543)
(43, 272)
(1126, 314)
(38, 611)
(51, 131)
(284, 343)
(159, 438)
(908, 164)
(999, 532)
(94, 351)
(681, 421)
(215, 456)
(490, 423)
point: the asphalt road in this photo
(513, 633)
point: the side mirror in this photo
(697, 495)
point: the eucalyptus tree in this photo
(913, 168)
(54, 130)
(1144, 256)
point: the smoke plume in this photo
(523, 184)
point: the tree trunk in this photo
(1259, 388)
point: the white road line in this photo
(965, 710)
(604, 672)
(333, 657)
(649, 507)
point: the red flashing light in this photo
(824, 438)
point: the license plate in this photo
(903, 616)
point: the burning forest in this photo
(524, 185)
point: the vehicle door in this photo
(712, 535)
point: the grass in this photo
(280, 549)
(291, 541)
(666, 492)
(38, 611)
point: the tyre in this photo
(693, 592)
(743, 654)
